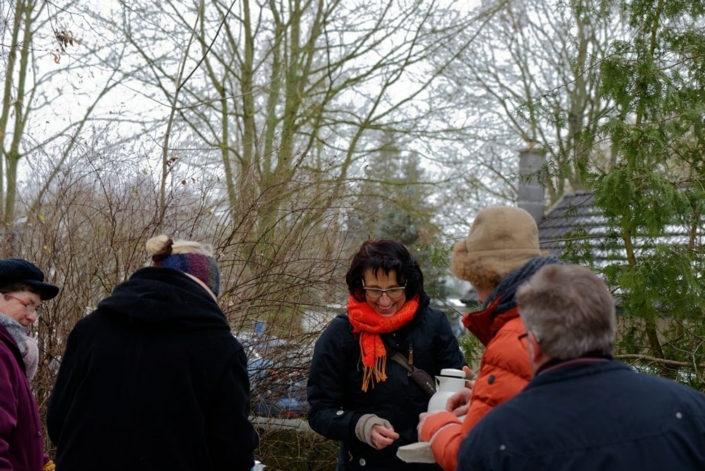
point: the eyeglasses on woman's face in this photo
(393, 293)
(29, 306)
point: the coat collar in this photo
(590, 358)
(486, 323)
(8, 340)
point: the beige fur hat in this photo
(501, 239)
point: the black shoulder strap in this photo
(401, 359)
(418, 376)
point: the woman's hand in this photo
(382, 436)
(459, 403)
(375, 431)
(469, 377)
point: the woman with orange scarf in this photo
(358, 395)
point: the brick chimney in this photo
(529, 191)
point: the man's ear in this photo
(536, 353)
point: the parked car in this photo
(285, 401)
(278, 371)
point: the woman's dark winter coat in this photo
(335, 386)
(153, 380)
(21, 444)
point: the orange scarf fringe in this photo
(369, 325)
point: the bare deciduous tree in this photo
(531, 80)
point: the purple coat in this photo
(21, 445)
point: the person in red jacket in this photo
(501, 252)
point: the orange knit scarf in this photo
(369, 324)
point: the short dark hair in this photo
(386, 255)
(18, 288)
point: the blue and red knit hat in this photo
(203, 267)
(187, 260)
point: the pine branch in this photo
(662, 361)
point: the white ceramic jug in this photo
(450, 381)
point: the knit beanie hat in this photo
(188, 257)
(501, 240)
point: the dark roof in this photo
(577, 226)
(575, 215)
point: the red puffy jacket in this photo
(504, 371)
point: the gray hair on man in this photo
(570, 311)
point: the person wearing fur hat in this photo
(22, 290)
(359, 394)
(500, 253)
(153, 379)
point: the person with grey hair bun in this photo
(583, 410)
(153, 379)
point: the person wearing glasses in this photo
(583, 410)
(22, 290)
(500, 252)
(153, 379)
(357, 393)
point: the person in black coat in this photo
(153, 379)
(584, 410)
(358, 394)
